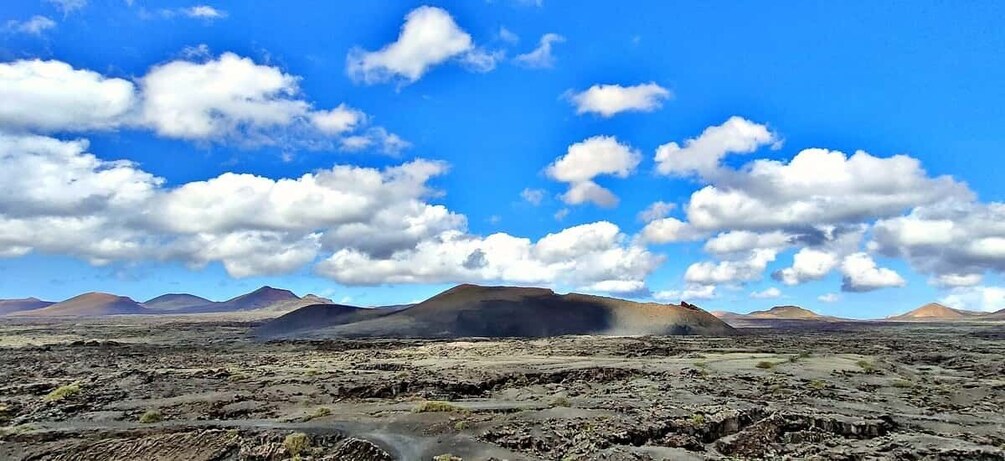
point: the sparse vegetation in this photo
(63, 392)
(698, 419)
(765, 365)
(447, 457)
(150, 417)
(805, 355)
(561, 402)
(438, 407)
(460, 425)
(321, 412)
(701, 365)
(296, 444)
(866, 366)
(903, 384)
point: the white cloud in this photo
(541, 56)
(183, 99)
(204, 12)
(656, 210)
(808, 264)
(589, 256)
(956, 241)
(862, 274)
(691, 291)
(609, 100)
(338, 120)
(768, 293)
(585, 160)
(742, 241)
(829, 298)
(701, 156)
(35, 25)
(52, 96)
(68, 6)
(428, 37)
(369, 226)
(668, 230)
(746, 268)
(977, 298)
(533, 196)
(589, 192)
(768, 194)
(508, 36)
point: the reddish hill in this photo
(86, 305)
(471, 310)
(935, 312)
(10, 306)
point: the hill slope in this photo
(935, 312)
(263, 298)
(317, 316)
(10, 306)
(786, 313)
(88, 304)
(471, 310)
(176, 301)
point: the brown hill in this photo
(316, 316)
(996, 315)
(10, 306)
(786, 313)
(176, 301)
(472, 311)
(935, 312)
(88, 304)
(263, 298)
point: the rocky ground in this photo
(169, 389)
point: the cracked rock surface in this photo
(201, 389)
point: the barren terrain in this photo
(174, 388)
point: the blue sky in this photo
(213, 104)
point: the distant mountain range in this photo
(473, 309)
(932, 312)
(479, 311)
(262, 300)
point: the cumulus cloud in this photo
(429, 37)
(807, 264)
(610, 100)
(656, 210)
(767, 293)
(669, 230)
(769, 194)
(757, 210)
(742, 268)
(183, 99)
(701, 155)
(367, 225)
(593, 256)
(976, 298)
(861, 274)
(955, 242)
(35, 25)
(227, 99)
(49, 96)
(692, 292)
(585, 160)
(540, 57)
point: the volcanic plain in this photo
(199, 388)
